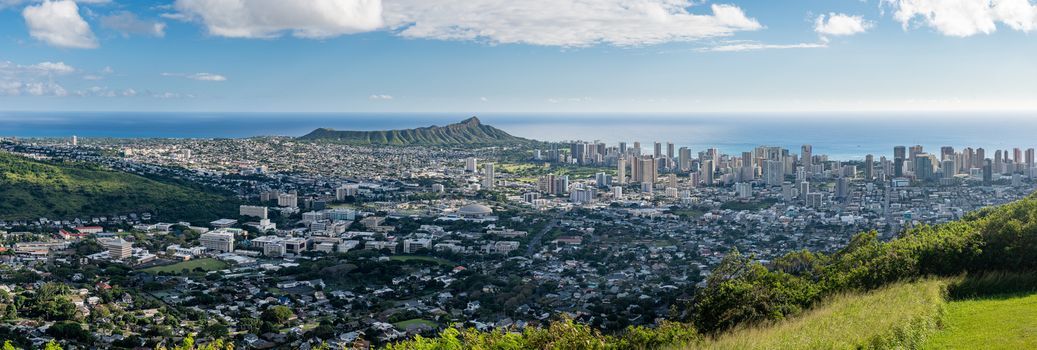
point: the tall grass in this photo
(901, 316)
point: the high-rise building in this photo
(621, 170)
(658, 150)
(622, 148)
(1029, 158)
(669, 150)
(900, 152)
(603, 180)
(774, 172)
(914, 151)
(289, 200)
(949, 168)
(684, 159)
(869, 167)
(988, 172)
(923, 167)
(649, 170)
(471, 165)
(744, 190)
(804, 189)
(489, 176)
(898, 167)
(979, 161)
(946, 152)
(807, 155)
(842, 188)
(706, 172)
(75, 140)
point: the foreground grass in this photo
(207, 264)
(1005, 322)
(901, 315)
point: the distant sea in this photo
(845, 136)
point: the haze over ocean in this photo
(844, 136)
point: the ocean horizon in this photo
(846, 136)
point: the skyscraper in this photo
(807, 154)
(488, 176)
(869, 167)
(621, 170)
(900, 152)
(706, 172)
(669, 150)
(658, 150)
(923, 167)
(471, 165)
(684, 159)
(649, 170)
(774, 172)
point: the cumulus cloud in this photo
(34, 79)
(197, 76)
(564, 23)
(58, 23)
(964, 18)
(272, 18)
(839, 24)
(739, 46)
(128, 24)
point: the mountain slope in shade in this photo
(468, 131)
(32, 189)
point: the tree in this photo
(277, 314)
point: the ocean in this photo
(846, 136)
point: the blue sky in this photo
(476, 56)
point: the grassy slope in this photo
(1007, 322)
(207, 264)
(902, 315)
(33, 189)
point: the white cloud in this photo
(58, 23)
(564, 23)
(379, 97)
(128, 24)
(739, 46)
(52, 67)
(197, 76)
(963, 18)
(34, 80)
(272, 18)
(839, 24)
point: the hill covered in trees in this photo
(470, 131)
(33, 189)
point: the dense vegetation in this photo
(33, 189)
(744, 291)
(467, 132)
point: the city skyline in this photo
(606, 56)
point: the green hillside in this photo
(902, 315)
(468, 131)
(31, 189)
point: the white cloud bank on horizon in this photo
(58, 23)
(962, 18)
(537, 22)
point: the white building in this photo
(218, 241)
